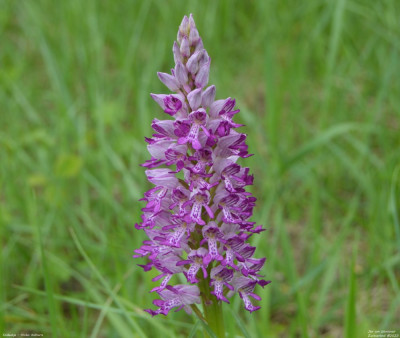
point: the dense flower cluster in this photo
(196, 215)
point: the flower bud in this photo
(194, 33)
(181, 73)
(203, 58)
(202, 76)
(194, 98)
(183, 29)
(185, 48)
(177, 53)
(169, 80)
(199, 45)
(197, 60)
(192, 64)
(208, 96)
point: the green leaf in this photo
(209, 330)
(350, 325)
(240, 324)
(194, 329)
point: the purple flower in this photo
(197, 212)
(198, 201)
(171, 104)
(245, 286)
(180, 296)
(179, 196)
(198, 121)
(220, 276)
(212, 234)
(196, 261)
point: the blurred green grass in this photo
(318, 87)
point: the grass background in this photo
(318, 86)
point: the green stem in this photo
(212, 309)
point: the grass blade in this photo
(105, 284)
(194, 329)
(240, 324)
(322, 139)
(393, 206)
(47, 278)
(350, 326)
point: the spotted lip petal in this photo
(197, 212)
(172, 104)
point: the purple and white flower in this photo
(197, 213)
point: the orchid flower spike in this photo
(197, 213)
